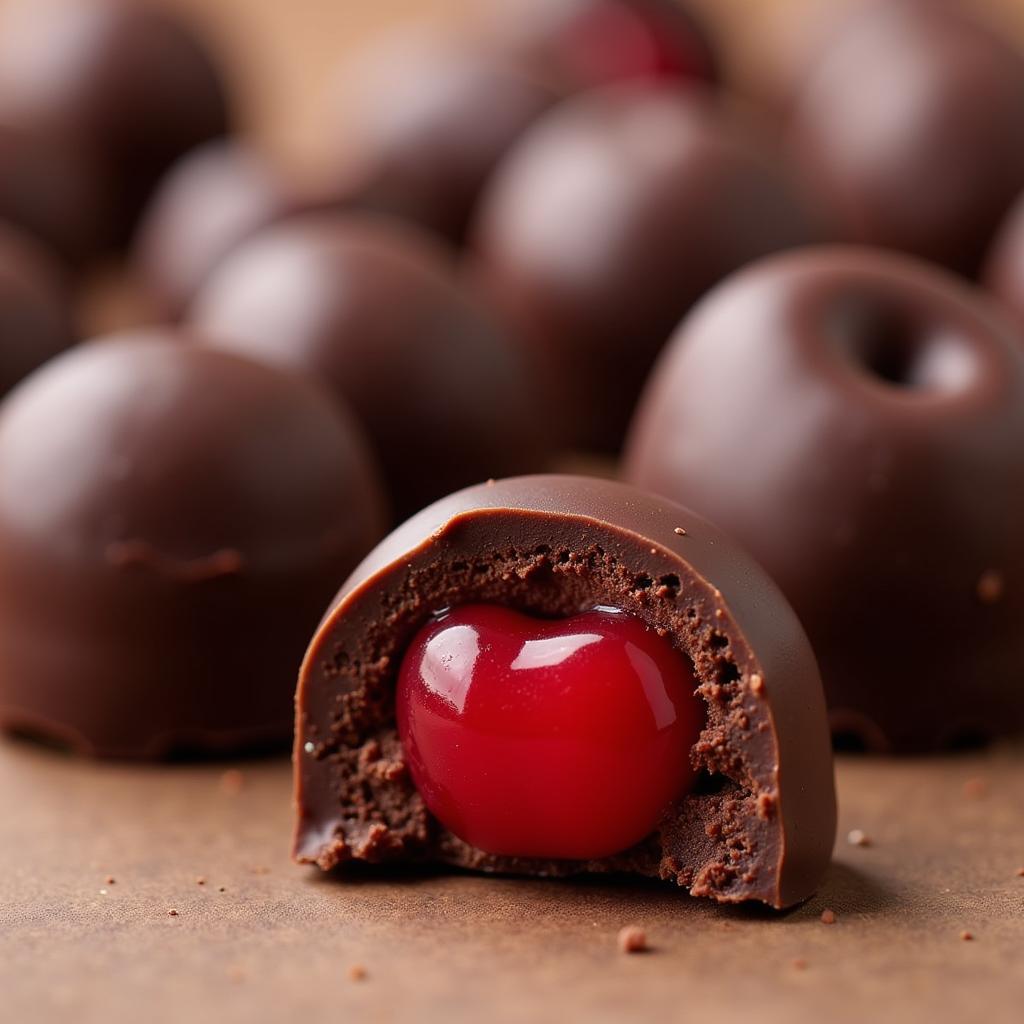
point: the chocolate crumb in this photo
(858, 837)
(357, 972)
(976, 788)
(172, 913)
(200, 880)
(800, 964)
(828, 916)
(990, 587)
(632, 939)
(110, 880)
(222, 888)
(1020, 872)
(679, 531)
(967, 936)
(231, 782)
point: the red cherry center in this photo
(614, 40)
(561, 738)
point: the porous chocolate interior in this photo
(719, 840)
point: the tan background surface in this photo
(277, 943)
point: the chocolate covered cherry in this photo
(910, 123)
(583, 43)
(534, 738)
(532, 729)
(612, 216)
(856, 420)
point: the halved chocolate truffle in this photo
(612, 216)
(856, 419)
(172, 522)
(376, 309)
(760, 823)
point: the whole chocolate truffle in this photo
(35, 308)
(585, 43)
(127, 81)
(172, 523)
(856, 419)
(376, 310)
(211, 200)
(53, 190)
(1004, 272)
(910, 125)
(616, 212)
(761, 821)
(429, 118)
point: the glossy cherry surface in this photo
(611, 40)
(562, 738)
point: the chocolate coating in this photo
(430, 118)
(856, 419)
(761, 824)
(616, 212)
(586, 43)
(126, 81)
(376, 310)
(1004, 269)
(53, 190)
(172, 522)
(35, 308)
(211, 201)
(910, 125)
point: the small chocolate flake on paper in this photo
(200, 880)
(632, 939)
(966, 936)
(172, 913)
(110, 880)
(357, 972)
(231, 782)
(828, 916)
(990, 587)
(976, 788)
(1020, 872)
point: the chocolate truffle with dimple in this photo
(612, 216)
(35, 307)
(760, 822)
(910, 125)
(127, 81)
(856, 419)
(375, 308)
(428, 120)
(587, 43)
(172, 522)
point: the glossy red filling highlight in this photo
(560, 739)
